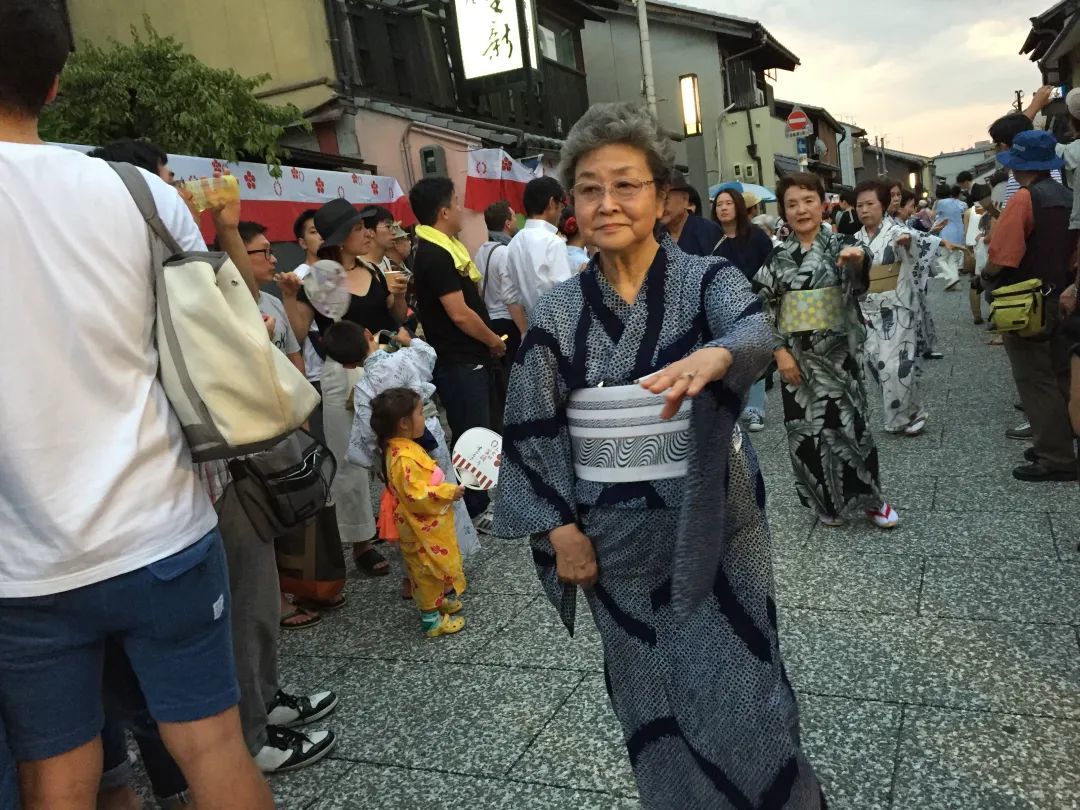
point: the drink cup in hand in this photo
(396, 281)
(207, 192)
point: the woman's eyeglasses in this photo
(623, 190)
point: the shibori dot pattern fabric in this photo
(692, 662)
(695, 697)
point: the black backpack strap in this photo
(487, 267)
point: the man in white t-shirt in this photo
(105, 529)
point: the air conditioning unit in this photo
(748, 173)
(737, 169)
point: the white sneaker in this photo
(830, 520)
(287, 750)
(288, 710)
(755, 424)
(916, 427)
(885, 517)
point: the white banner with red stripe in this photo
(276, 202)
(494, 176)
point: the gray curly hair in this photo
(619, 122)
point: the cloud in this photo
(931, 75)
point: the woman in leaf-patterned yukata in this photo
(810, 286)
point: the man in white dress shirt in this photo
(536, 259)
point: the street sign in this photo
(800, 146)
(798, 124)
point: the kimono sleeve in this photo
(767, 283)
(737, 323)
(925, 249)
(412, 485)
(420, 357)
(361, 450)
(536, 480)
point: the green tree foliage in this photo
(153, 89)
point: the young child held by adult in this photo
(424, 512)
(410, 366)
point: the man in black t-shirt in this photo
(847, 223)
(454, 318)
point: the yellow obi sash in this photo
(811, 310)
(884, 277)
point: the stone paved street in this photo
(937, 666)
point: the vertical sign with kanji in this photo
(491, 38)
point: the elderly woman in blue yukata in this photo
(624, 463)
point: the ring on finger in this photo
(689, 375)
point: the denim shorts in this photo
(172, 620)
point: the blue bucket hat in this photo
(1032, 151)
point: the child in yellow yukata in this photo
(424, 512)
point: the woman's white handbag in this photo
(232, 390)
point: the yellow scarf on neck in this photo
(458, 252)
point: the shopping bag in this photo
(311, 562)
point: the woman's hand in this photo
(788, 368)
(904, 240)
(939, 226)
(575, 557)
(403, 337)
(688, 377)
(396, 283)
(459, 493)
(850, 255)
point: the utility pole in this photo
(646, 56)
(1019, 101)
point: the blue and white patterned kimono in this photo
(408, 367)
(684, 600)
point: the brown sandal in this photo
(312, 619)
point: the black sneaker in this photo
(289, 711)
(933, 356)
(287, 750)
